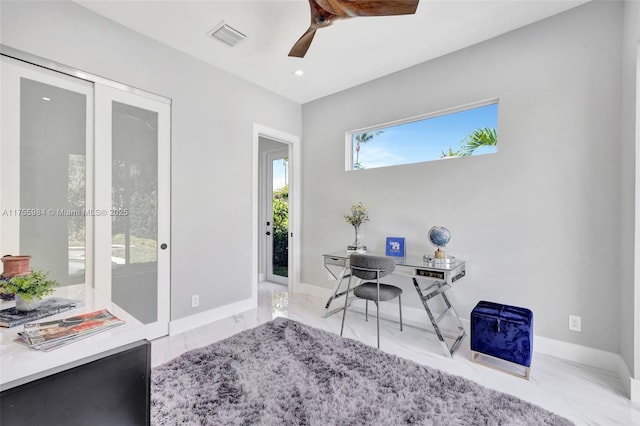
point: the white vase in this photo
(24, 306)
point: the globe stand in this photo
(440, 254)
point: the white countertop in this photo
(20, 364)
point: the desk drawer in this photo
(429, 273)
(332, 260)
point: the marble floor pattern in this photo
(583, 394)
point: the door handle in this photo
(267, 233)
(163, 246)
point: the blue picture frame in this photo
(395, 247)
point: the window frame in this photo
(421, 117)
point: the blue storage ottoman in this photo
(503, 332)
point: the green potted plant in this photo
(29, 289)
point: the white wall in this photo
(538, 221)
(212, 129)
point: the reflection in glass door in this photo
(134, 216)
(46, 134)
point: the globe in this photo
(439, 236)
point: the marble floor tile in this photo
(583, 394)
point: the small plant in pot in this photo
(30, 289)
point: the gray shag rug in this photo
(287, 373)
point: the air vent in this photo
(227, 34)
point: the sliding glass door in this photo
(132, 184)
(91, 210)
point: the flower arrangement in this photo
(358, 215)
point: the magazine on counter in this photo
(11, 317)
(53, 334)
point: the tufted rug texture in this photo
(287, 373)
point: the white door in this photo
(55, 177)
(132, 183)
(277, 216)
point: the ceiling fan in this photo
(325, 12)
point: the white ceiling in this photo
(346, 54)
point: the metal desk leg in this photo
(439, 289)
(461, 332)
(336, 292)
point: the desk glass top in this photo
(408, 261)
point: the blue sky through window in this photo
(426, 139)
(280, 172)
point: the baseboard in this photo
(568, 351)
(203, 318)
(634, 389)
(631, 385)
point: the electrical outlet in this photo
(575, 323)
(195, 301)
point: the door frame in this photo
(266, 212)
(293, 143)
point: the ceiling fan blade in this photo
(302, 45)
(325, 12)
(371, 7)
(320, 18)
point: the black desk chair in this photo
(369, 267)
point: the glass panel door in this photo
(132, 185)
(46, 135)
(278, 216)
(134, 216)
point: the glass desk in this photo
(430, 280)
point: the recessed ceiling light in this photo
(44, 98)
(299, 73)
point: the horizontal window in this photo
(460, 132)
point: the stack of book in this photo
(49, 335)
(10, 317)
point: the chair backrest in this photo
(364, 266)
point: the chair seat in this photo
(369, 267)
(369, 291)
